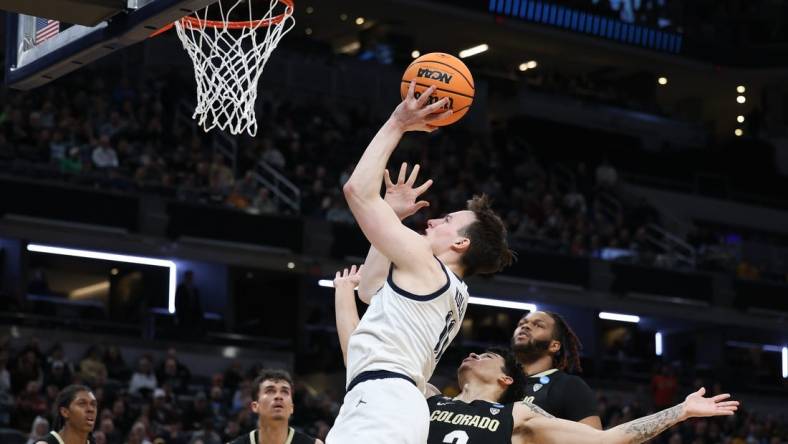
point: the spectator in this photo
(188, 306)
(39, 430)
(169, 375)
(29, 404)
(143, 381)
(116, 365)
(663, 388)
(92, 369)
(58, 375)
(28, 368)
(104, 156)
(262, 203)
(606, 175)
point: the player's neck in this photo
(450, 260)
(473, 391)
(538, 365)
(273, 432)
(71, 436)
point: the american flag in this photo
(46, 29)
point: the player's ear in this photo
(554, 347)
(461, 244)
(255, 407)
(506, 380)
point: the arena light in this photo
(359, 21)
(662, 81)
(619, 317)
(478, 49)
(415, 53)
(523, 67)
(502, 303)
(741, 99)
(658, 344)
(310, 9)
(36, 248)
(785, 362)
(741, 89)
(740, 118)
(89, 290)
(738, 132)
(531, 64)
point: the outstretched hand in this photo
(695, 405)
(347, 279)
(414, 114)
(401, 196)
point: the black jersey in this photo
(562, 395)
(294, 437)
(54, 438)
(477, 422)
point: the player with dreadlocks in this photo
(549, 351)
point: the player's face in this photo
(532, 330)
(446, 232)
(81, 413)
(275, 400)
(486, 367)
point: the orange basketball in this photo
(451, 78)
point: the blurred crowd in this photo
(132, 136)
(158, 400)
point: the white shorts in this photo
(382, 411)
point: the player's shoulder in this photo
(303, 438)
(573, 382)
(243, 439)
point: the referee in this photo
(549, 350)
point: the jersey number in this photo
(443, 340)
(456, 437)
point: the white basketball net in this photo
(228, 63)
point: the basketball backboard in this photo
(43, 43)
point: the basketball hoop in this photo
(229, 57)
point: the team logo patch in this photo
(537, 386)
(494, 411)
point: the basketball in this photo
(451, 79)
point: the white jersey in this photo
(405, 333)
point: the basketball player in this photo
(75, 416)
(273, 404)
(483, 412)
(417, 312)
(547, 349)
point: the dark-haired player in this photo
(548, 351)
(75, 416)
(273, 403)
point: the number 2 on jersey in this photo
(456, 437)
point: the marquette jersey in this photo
(477, 422)
(405, 333)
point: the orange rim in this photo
(194, 22)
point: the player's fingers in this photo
(339, 275)
(387, 179)
(423, 187)
(403, 172)
(425, 96)
(728, 404)
(414, 173)
(411, 89)
(721, 397)
(435, 107)
(436, 117)
(353, 270)
(422, 204)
